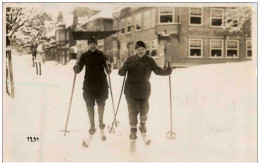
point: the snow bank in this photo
(214, 116)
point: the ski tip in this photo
(132, 146)
(132, 150)
(84, 144)
(148, 142)
(104, 138)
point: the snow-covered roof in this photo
(106, 14)
(68, 19)
(48, 23)
(51, 33)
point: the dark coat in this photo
(95, 64)
(137, 84)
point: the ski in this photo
(132, 145)
(103, 137)
(88, 141)
(146, 140)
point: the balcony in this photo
(167, 29)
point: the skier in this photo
(95, 86)
(34, 52)
(138, 89)
(39, 59)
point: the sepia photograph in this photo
(129, 82)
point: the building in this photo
(185, 36)
(103, 21)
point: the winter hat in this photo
(139, 44)
(92, 39)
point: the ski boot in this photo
(91, 134)
(102, 132)
(142, 129)
(133, 138)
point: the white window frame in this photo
(173, 16)
(148, 19)
(232, 49)
(222, 45)
(127, 25)
(154, 49)
(201, 56)
(146, 43)
(211, 17)
(249, 49)
(202, 15)
(228, 18)
(121, 26)
(140, 19)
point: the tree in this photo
(239, 19)
(31, 31)
(16, 17)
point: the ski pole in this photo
(111, 129)
(171, 135)
(65, 131)
(110, 86)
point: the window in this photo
(217, 17)
(196, 16)
(166, 15)
(232, 49)
(195, 48)
(216, 48)
(147, 44)
(138, 21)
(67, 35)
(248, 49)
(147, 22)
(129, 24)
(154, 47)
(232, 18)
(152, 17)
(122, 26)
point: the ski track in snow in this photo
(214, 116)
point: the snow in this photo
(214, 116)
(51, 33)
(106, 14)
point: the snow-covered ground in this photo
(214, 116)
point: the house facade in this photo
(185, 36)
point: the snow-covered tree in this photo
(25, 24)
(16, 17)
(32, 31)
(238, 19)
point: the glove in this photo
(127, 66)
(169, 70)
(108, 68)
(76, 69)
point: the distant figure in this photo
(39, 59)
(34, 52)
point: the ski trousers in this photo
(90, 98)
(136, 106)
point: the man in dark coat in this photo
(138, 87)
(95, 84)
